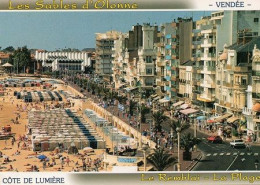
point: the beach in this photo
(17, 154)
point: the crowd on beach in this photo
(16, 152)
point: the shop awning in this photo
(163, 100)
(128, 89)
(225, 116)
(189, 111)
(184, 106)
(203, 99)
(178, 103)
(154, 95)
(232, 119)
(156, 98)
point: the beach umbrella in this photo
(41, 157)
(210, 121)
(88, 149)
(201, 118)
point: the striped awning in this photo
(225, 116)
(189, 111)
(232, 119)
(178, 103)
(184, 106)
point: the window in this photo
(256, 19)
(148, 59)
(149, 71)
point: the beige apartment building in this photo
(252, 109)
(134, 57)
(104, 45)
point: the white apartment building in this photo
(147, 58)
(222, 29)
(60, 61)
(252, 109)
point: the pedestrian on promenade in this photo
(248, 147)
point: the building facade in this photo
(60, 61)
(104, 45)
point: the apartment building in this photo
(104, 45)
(165, 48)
(252, 109)
(119, 63)
(173, 48)
(186, 83)
(234, 73)
(134, 57)
(147, 57)
(223, 28)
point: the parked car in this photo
(237, 143)
(215, 139)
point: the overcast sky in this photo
(56, 30)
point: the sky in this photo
(58, 30)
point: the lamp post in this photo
(256, 164)
(140, 117)
(195, 126)
(171, 127)
(178, 129)
(144, 148)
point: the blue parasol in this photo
(41, 157)
(201, 118)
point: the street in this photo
(222, 157)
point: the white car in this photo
(237, 143)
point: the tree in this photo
(175, 123)
(144, 110)
(159, 118)
(161, 159)
(9, 49)
(132, 105)
(187, 142)
(22, 58)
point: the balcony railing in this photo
(196, 42)
(255, 73)
(247, 111)
(256, 95)
(228, 84)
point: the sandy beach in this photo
(18, 155)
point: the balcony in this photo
(228, 67)
(160, 44)
(196, 32)
(146, 74)
(167, 83)
(209, 56)
(196, 57)
(161, 64)
(159, 54)
(209, 70)
(228, 84)
(159, 83)
(241, 69)
(173, 78)
(173, 89)
(196, 43)
(255, 73)
(207, 43)
(256, 95)
(240, 85)
(160, 73)
(206, 98)
(207, 84)
(160, 34)
(247, 111)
